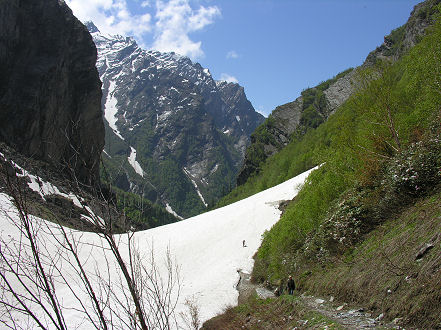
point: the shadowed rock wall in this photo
(50, 92)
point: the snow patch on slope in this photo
(195, 186)
(43, 188)
(110, 109)
(169, 209)
(132, 161)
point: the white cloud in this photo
(175, 19)
(228, 78)
(164, 25)
(232, 54)
(112, 16)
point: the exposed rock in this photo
(400, 40)
(288, 117)
(189, 131)
(292, 119)
(423, 251)
(339, 91)
(50, 92)
(50, 196)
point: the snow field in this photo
(207, 248)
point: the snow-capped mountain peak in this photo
(173, 112)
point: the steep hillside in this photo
(50, 91)
(379, 151)
(313, 107)
(174, 135)
(379, 181)
(293, 120)
(395, 271)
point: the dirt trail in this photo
(347, 316)
(247, 289)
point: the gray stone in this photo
(339, 308)
(423, 251)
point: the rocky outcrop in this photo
(316, 104)
(50, 92)
(173, 133)
(237, 104)
(400, 40)
(309, 110)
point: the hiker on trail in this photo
(243, 243)
(291, 285)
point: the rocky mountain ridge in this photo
(316, 104)
(174, 134)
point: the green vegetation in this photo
(164, 177)
(142, 213)
(138, 207)
(395, 40)
(380, 152)
(365, 226)
(263, 135)
(382, 272)
(380, 142)
(314, 108)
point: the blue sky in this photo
(274, 48)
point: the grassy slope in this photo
(382, 272)
(372, 173)
(359, 149)
(384, 261)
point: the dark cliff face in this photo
(50, 92)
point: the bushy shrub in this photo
(416, 169)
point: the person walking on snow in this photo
(291, 285)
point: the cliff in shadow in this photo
(50, 92)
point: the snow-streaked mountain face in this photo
(189, 132)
